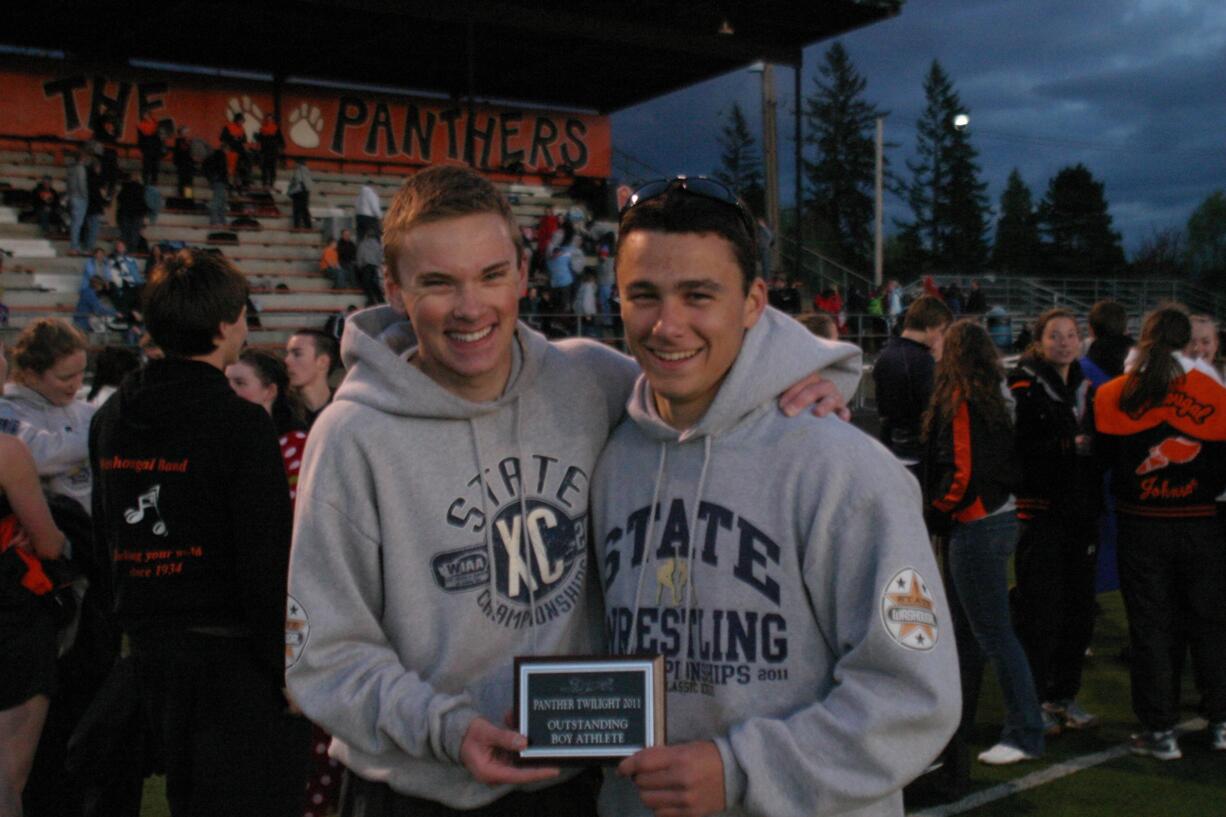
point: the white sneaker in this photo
(1002, 754)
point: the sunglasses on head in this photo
(696, 186)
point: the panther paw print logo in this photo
(305, 125)
(252, 115)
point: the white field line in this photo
(1041, 777)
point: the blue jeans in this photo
(93, 225)
(979, 598)
(77, 206)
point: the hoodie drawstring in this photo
(651, 524)
(690, 546)
(523, 520)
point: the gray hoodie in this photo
(819, 654)
(413, 581)
(58, 438)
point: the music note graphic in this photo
(147, 500)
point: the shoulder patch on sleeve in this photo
(297, 629)
(908, 611)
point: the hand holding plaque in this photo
(589, 710)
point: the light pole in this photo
(879, 208)
(770, 154)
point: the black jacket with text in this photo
(192, 507)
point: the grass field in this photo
(1124, 787)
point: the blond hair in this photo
(439, 193)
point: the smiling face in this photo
(686, 312)
(1060, 342)
(459, 280)
(59, 384)
(1204, 340)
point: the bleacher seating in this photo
(40, 277)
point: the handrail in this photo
(844, 276)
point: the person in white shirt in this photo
(367, 211)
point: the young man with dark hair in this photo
(192, 512)
(903, 374)
(780, 565)
(310, 357)
(1109, 348)
(443, 517)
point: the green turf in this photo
(1125, 787)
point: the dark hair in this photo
(927, 312)
(188, 296)
(324, 344)
(287, 410)
(111, 366)
(44, 342)
(678, 211)
(1040, 326)
(1167, 330)
(969, 370)
(1108, 319)
(822, 325)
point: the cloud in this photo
(1130, 88)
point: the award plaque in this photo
(588, 710)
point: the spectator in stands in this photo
(152, 147)
(606, 273)
(125, 279)
(98, 200)
(1172, 563)
(783, 297)
(299, 190)
(564, 261)
(310, 357)
(586, 307)
(903, 375)
(334, 326)
(1058, 504)
(330, 264)
(199, 551)
(93, 307)
(105, 138)
(233, 140)
(153, 259)
(976, 302)
(369, 262)
(367, 212)
(545, 229)
(46, 205)
(185, 163)
(1206, 344)
(130, 210)
(972, 476)
(28, 535)
(40, 406)
(930, 288)
(893, 304)
(953, 297)
(1110, 342)
(214, 169)
(347, 255)
(831, 302)
(111, 365)
(272, 145)
(153, 204)
(77, 190)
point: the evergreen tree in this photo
(948, 203)
(740, 164)
(1207, 240)
(1017, 248)
(1076, 225)
(839, 193)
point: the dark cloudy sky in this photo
(1134, 89)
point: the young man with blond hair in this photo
(442, 523)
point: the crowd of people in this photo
(259, 584)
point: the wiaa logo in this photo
(535, 548)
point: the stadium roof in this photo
(600, 55)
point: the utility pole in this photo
(770, 157)
(878, 210)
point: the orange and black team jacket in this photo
(972, 469)
(1170, 461)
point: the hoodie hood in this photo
(170, 391)
(376, 348)
(777, 352)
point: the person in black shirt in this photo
(192, 511)
(902, 376)
(310, 357)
